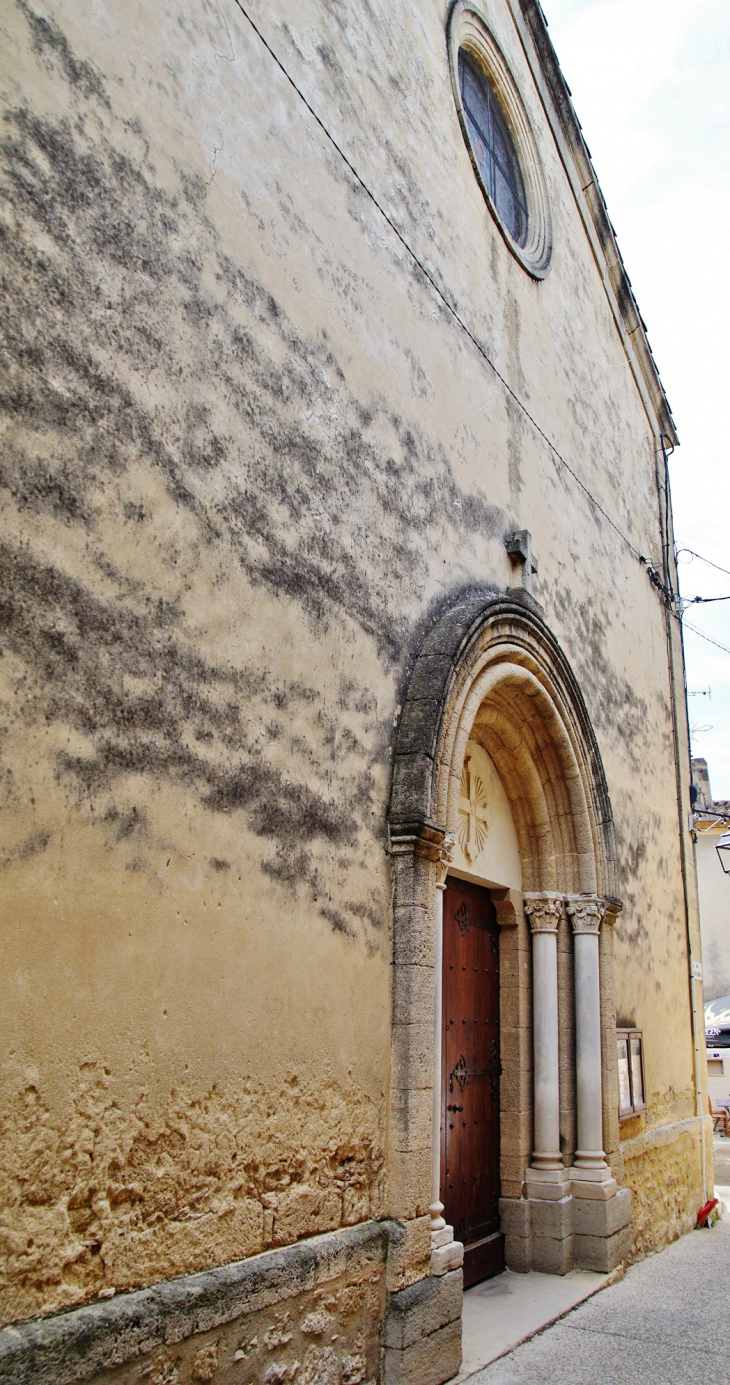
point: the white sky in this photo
(651, 86)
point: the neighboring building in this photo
(711, 821)
(347, 871)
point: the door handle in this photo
(454, 1108)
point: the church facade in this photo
(349, 912)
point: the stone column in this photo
(586, 913)
(601, 1212)
(543, 912)
(437, 1207)
(608, 1038)
(446, 1253)
(549, 1202)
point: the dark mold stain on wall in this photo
(77, 660)
(154, 390)
(616, 706)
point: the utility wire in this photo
(449, 306)
(705, 560)
(702, 636)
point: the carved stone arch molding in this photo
(491, 661)
(489, 667)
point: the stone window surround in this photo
(468, 29)
(638, 1108)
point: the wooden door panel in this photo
(471, 1070)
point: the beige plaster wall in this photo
(246, 450)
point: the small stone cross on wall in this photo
(519, 547)
(473, 825)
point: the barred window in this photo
(493, 148)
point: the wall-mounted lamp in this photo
(723, 850)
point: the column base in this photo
(588, 1227)
(448, 1256)
(591, 1169)
(602, 1227)
(548, 1184)
(539, 1231)
(600, 1189)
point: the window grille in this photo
(493, 148)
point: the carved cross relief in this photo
(473, 825)
(519, 547)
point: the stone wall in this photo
(311, 1314)
(663, 1169)
(328, 1311)
(109, 1203)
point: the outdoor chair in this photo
(719, 1117)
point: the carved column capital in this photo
(543, 912)
(586, 913)
(444, 859)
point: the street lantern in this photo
(723, 850)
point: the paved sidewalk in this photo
(506, 1310)
(666, 1323)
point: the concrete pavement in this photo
(666, 1323)
(508, 1309)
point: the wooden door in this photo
(470, 1086)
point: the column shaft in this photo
(586, 915)
(545, 1029)
(543, 913)
(436, 1209)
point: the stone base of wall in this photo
(422, 1332)
(663, 1169)
(318, 1313)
